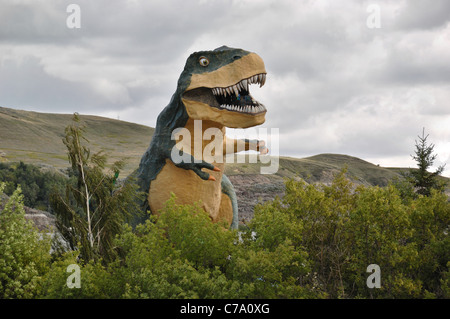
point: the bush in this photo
(35, 184)
(344, 229)
(24, 252)
(315, 242)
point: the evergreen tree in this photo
(93, 210)
(422, 180)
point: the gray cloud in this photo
(421, 14)
(333, 84)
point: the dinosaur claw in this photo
(216, 169)
(264, 151)
(211, 178)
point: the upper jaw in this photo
(234, 98)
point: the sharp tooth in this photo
(255, 79)
(236, 90)
(263, 81)
(214, 90)
(244, 84)
(227, 90)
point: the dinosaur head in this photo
(215, 86)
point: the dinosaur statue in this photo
(213, 88)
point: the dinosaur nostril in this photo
(236, 57)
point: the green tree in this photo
(36, 184)
(92, 210)
(24, 252)
(423, 180)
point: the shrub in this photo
(24, 252)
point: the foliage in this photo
(315, 242)
(36, 185)
(345, 229)
(422, 180)
(93, 209)
(94, 279)
(24, 252)
(181, 254)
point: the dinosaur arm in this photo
(188, 162)
(232, 146)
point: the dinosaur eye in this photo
(203, 61)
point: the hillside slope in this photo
(36, 138)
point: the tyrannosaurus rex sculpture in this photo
(213, 88)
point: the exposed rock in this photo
(44, 221)
(3, 157)
(254, 189)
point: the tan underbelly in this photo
(188, 188)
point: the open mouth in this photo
(234, 98)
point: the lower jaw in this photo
(233, 119)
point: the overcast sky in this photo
(338, 81)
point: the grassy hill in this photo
(36, 138)
(321, 168)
